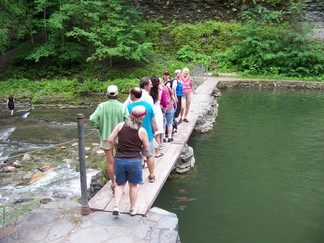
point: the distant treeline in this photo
(108, 40)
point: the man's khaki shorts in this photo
(105, 145)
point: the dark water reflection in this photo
(259, 175)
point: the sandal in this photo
(151, 179)
(185, 120)
(158, 156)
(113, 188)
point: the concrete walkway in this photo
(61, 221)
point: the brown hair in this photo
(137, 92)
(144, 81)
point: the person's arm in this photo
(114, 134)
(144, 137)
(94, 118)
(163, 102)
(174, 99)
(128, 101)
(154, 125)
(125, 112)
(174, 85)
(174, 88)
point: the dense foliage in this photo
(65, 32)
(271, 46)
(80, 44)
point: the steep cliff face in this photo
(224, 10)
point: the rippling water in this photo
(30, 131)
(259, 175)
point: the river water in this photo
(259, 174)
(46, 133)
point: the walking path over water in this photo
(62, 222)
(148, 192)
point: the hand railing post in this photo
(85, 209)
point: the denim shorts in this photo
(169, 114)
(128, 169)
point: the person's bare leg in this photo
(187, 109)
(182, 110)
(150, 165)
(158, 141)
(110, 165)
(133, 194)
(183, 107)
(119, 190)
(170, 131)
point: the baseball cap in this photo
(112, 90)
(166, 72)
(138, 111)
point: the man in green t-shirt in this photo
(107, 115)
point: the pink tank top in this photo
(186, 85)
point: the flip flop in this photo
(143, 165)
(158, 156)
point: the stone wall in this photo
(271, 84)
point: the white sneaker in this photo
(115, 211)
(133, 212)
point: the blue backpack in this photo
(179, 89)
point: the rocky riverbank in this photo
(159, 226)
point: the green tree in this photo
(12, 22)
(52, 24)
(109, 29)
(267, 45)
(63, 32)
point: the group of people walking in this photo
(136, 130)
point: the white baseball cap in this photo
(112, 90)
(138, 111)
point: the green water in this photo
(259, 175)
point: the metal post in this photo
(202, 72)
(206, 69)
(85, 209)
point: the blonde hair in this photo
(134, 122)
(177, 71)
(185, 70)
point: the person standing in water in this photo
(11, 104)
